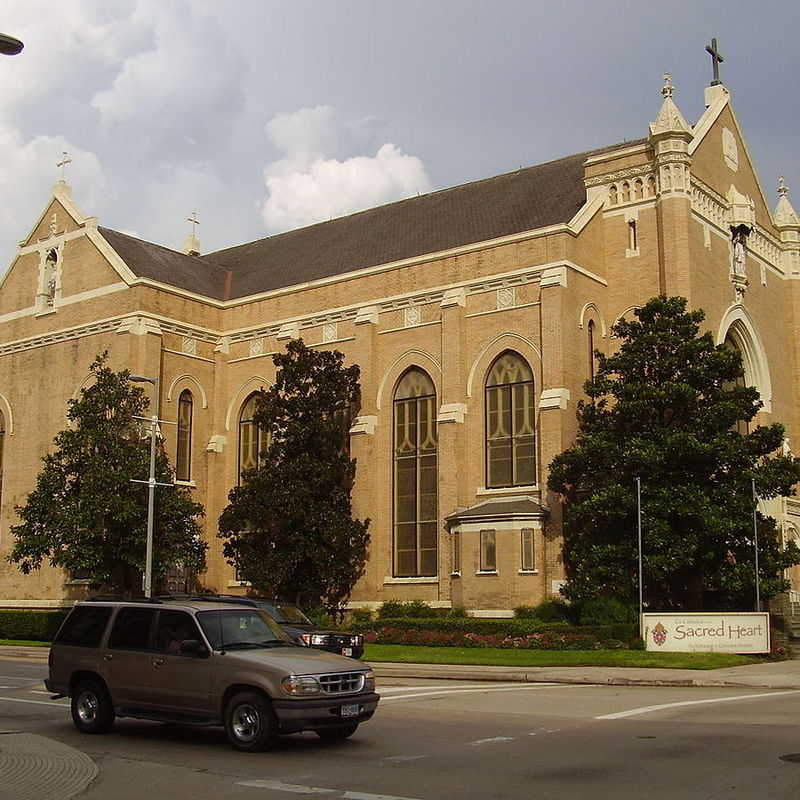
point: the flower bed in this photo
(543, 640)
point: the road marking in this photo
(296, 788)
(435, 686)
(280, 786)
(35, 702)
(647, 709)
(518, 688)
(368, 796)
(544, 730)
(404, 758)
(494, 739)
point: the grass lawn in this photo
(415, 654)
(23, 643)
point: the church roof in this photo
(148, 260)
(523, 200)
(499, 509)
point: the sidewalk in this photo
(770, 675)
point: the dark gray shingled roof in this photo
(148, 260)
(527, 199)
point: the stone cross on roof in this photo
(667, 89)
(716, 60)
(65, 159)
(783, 189)
(195, 222)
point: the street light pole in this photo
(639, 518)
(755, 543)
(151, 485)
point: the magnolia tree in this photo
(86, 515)
(289, 528)
(670, 407)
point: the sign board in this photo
(734, 632)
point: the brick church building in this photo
(472, 312)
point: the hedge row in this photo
(544, 640)
(514, 628)
(34, 626)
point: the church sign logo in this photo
(735, 632)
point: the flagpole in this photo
(639, 515)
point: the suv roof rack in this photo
(115, 598)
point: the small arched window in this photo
(415, 476)
(510, 432)
(590, 336)
(252, 439)
(183, 456)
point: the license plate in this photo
(350, 711)
(347, 651)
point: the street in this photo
(434, 739)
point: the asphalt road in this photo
(453, 739)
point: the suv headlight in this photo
(300, 685)
(369, 681)
(357, 640)
(318, 639)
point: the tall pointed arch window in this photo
(510, 420)
(742, 425)
(183, 455)
(590, 334)
(252, 439)
(415, 476)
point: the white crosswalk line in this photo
(635, 712)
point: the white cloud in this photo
(307, 185)
(34, 167)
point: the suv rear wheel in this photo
(250, 722)
(338, 733)
(92, 710)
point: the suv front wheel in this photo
(250, 722)
(92, 710)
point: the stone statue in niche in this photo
(50, 265)
(740, 234)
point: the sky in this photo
(267, 115)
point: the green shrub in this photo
(394, 609)
(525, 612)
(391, 609)
(605, 611)
(419, 610)
(499, 627)
(320, 617)
(458, 611)
(553, 610)
(362, 615)
(35, 626)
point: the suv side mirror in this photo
(193, 647)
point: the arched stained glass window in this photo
(510, 420)
(252, 439)
(183, 456)
(742, 425)
(415, 476)
(590, 333)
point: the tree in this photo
(665, 408)
(85, 515)
(288, 528)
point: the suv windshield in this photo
(287, 614)
(241, 628)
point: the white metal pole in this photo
(639, 514)
(755, 543)
(151, 492)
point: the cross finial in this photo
(195, 222)
(783, 189)
(65, 159)
(716, 60)
(667, 89)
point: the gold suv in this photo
(203, 663)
